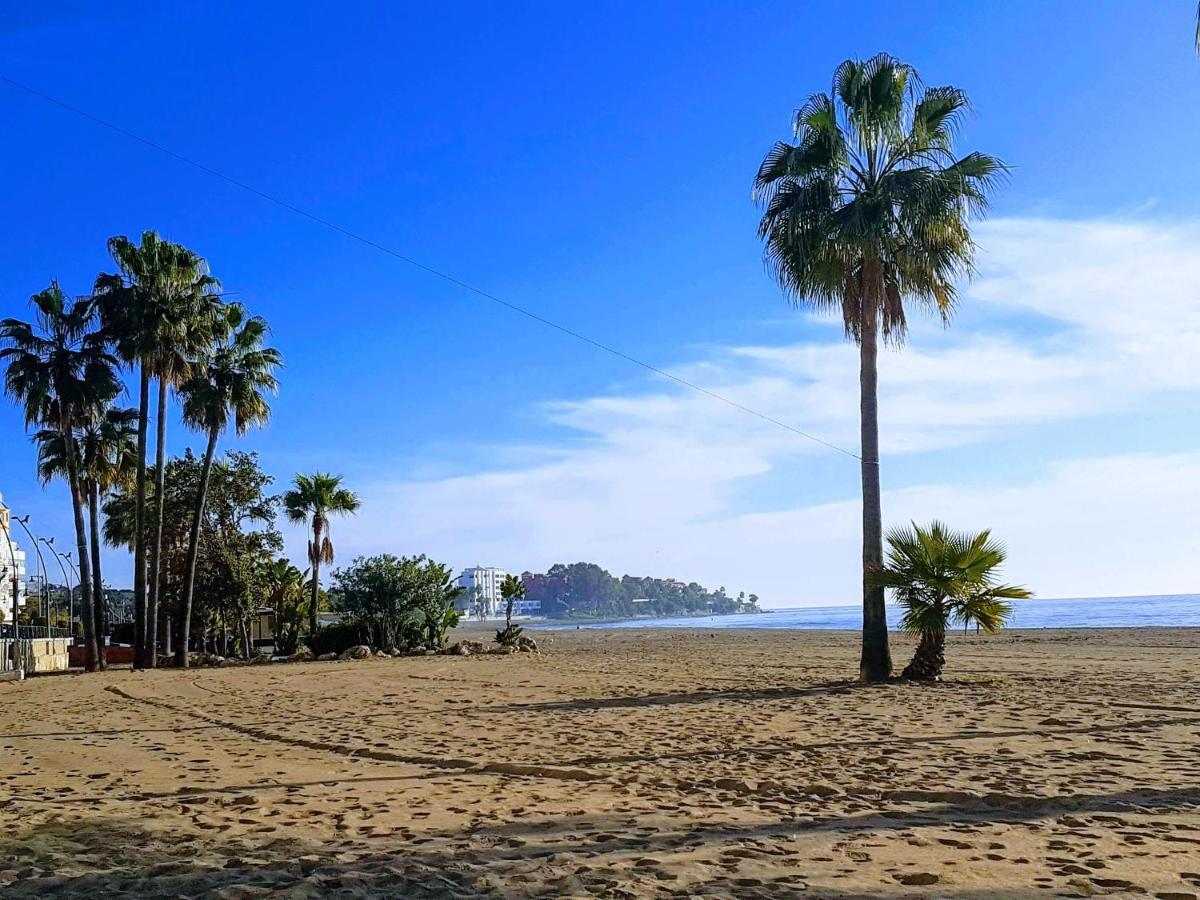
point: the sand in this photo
(620, 764)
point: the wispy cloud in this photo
(1069, 319)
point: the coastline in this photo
(1172, 611)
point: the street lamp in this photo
(24, 523)
(49, 542)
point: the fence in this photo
(41, 632)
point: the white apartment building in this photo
(481, 592)
(12, 565)
(481, 597)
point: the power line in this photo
(346, 232)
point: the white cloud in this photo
(1068, 319)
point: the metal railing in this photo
(35, 632)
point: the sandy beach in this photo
(621, 764)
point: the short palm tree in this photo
(161, 310)
(869, 209)
(59, 370)
(106, 448)
(313, 500)
(512, 589)
(231, 384)
(942, 578)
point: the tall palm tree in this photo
(867, 210)
(161, 309)
(105, 446)
(230, 383)
(59, 369)
(943, 577)
(313, 500)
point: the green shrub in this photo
(335, 638)
(507, 637)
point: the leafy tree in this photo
(436, 603)
(870, 209)
(585, 590)
(237, 537)
(398, 601)
(942, 577)
(229, 384)
(313, 500)
(161, 310)
(105, 447)
(285, 589)
(60, 371)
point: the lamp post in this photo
(49, 542)
(24, 523)
(66, 554)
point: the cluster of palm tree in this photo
(162, 315)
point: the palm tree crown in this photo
(869, 207)
(57, 367)
(105, 445)
(316, 497)
(232, 380)
(162, 308)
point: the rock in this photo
(466, 648)
(362, 651)
(301, 655)
(260, 659)
(326, 657)
(394, 652)
(526, 644)
(382, 654)
(917, 879)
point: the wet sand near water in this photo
(623, 763)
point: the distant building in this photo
(12, 565)
(481, 592)
(481, 595)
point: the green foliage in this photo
(509, 635)
(232, 377)
(585, 590)
(870, 207)
(335, 638)
(401, 602)
(238, 538)
(943, 577)
(285, 593)
(511, 590)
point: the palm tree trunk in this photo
(90, 655)
(139, 526)
(160, 479)
(876, 661)
(98, 611)
(929, 659)
(315, 559)
(185, 612)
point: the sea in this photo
(1083, 612)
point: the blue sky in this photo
(592, 163)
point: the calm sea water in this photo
(1090, 612)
